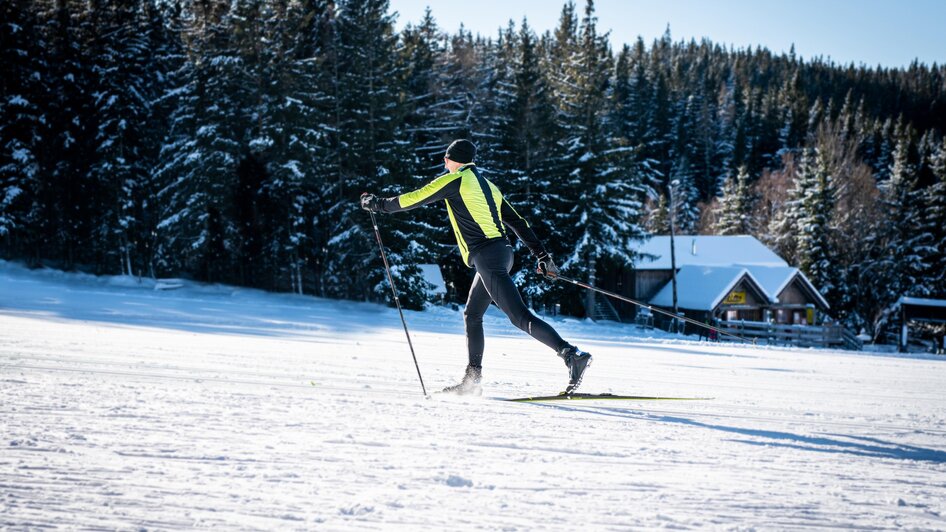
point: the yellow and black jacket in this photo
(476, 208)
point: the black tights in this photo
(492, 283)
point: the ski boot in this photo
(577, 362)
(470, 385)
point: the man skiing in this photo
(478, 213)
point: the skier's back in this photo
(479, 213)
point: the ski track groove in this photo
(409, 393)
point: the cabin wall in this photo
(794, 295)
(649, 282)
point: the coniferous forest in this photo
(229, 140)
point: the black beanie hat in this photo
(461, 151)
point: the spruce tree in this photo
(123, 95)
(686, 196)
(905, 232)
(207, 140)
(608, 207)
(815, 221)
(68, 199)
(22, 70)
(784, 226)
(365, 123)
(530, 124)
(898, 261)
(735, 206)
(935, 224)
(280, 202)
(420, 63)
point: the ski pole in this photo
(397, 300)
(653, 309)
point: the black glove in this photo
(547, 267)
(370, 202)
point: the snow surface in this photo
(124, 407)
(703, 287)
(702, 250)
(775, 279)
(433, 275)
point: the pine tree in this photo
(935, 224)
(197, 174)
(735, 206)
(905, 231)
(658, 219)
(123, 95)
(279, 202)
(433, 116)
(67, 197)
(628, 129)
(728, 114)
(495, 64)
(420, 59)
(21, 117)
(530, 123)
(784, 226)
(365, 124)
(608, 208)
(686, 193)
(558, 51)
(898, 268)
(796, 105)
(685, 197)
(161, 26)
(816, 208)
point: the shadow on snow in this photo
(830, 443)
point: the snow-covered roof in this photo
(703, 287)
(706, 251)
(434, 276)
(774, 279)
(922, 302)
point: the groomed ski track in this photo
(125, 407)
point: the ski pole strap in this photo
(653, 309)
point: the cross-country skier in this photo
(478, 213)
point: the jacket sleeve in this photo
(520, 226)
(441, 188)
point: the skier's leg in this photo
(476, 304)
(492, 265)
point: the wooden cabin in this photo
(726, 278)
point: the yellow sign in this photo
(736, 298)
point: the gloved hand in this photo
(370, 202)
(547, 267)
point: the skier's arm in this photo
(441, 188)
(520, 226)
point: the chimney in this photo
(693, 247)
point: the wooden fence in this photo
(833, 335)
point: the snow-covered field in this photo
(122, 407)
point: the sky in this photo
(871, 32)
